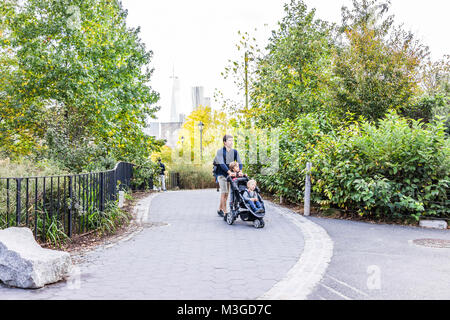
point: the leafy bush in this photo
(109, 220)
(48, 213)
(397, 168)
(24, 167)
(297, 141)
(428, 106)
(194, 176)
(144, 175)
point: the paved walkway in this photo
(378, 261)
(196, 255)
(186, 251)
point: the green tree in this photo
(78, 76)
(377, 65)
(435, 98)
(293, 76)
(243, 74)
(214, 127)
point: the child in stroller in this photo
(239, 207)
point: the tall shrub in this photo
(400, 167)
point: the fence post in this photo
(7, 202)
(306, 207)
(69, 222)
(18, 201)
(101, 191)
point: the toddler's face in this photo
(236, 169)
(252, 186)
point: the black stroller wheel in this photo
(230, 218)
(258, 223)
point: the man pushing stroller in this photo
(228, 173)
(223, 158)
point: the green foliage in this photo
(427, 107)
(76, 82)
(194, 176)
(292, 78)
(399, 168)
(24, 168)
(143, 174)
(377, 65)
(297, 141)
(109, 220)
(54, 230)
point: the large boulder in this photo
(25, 264)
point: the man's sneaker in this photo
(220, 213)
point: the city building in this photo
(197, 97)
(175, 99)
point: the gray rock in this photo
(25, 264)
(436, 224)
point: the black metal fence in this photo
(69, 202)
(173, 180)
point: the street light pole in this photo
(182, 145)
(200, 126)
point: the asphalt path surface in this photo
(186, 251)
(379, 261)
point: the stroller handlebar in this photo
(239, 179)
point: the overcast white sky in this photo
(197, 37)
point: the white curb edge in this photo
(310, 268)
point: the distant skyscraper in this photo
(175, 94)
(153, 129)
(197, 97)
(207, 101)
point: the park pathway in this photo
(186, 252)
(383, 262)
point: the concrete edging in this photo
(310, 268)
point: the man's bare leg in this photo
(223, 202)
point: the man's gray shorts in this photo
(224, 185)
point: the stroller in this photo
(239, 208)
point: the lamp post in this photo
(182, 145)
(200, 126)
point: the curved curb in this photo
(310, 267)
(142, 208)
(140, 211)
